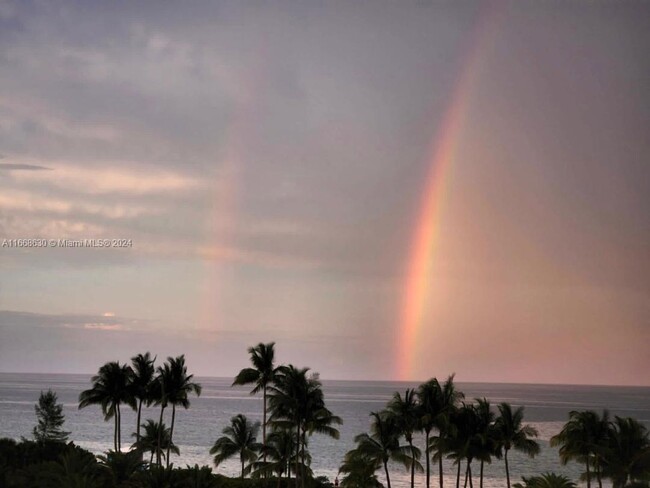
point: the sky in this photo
(387, 190)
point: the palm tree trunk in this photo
(426, 450)
(159, 445)
(588, 474)
(469, 471)
(458, 476)
(264, 428)
(412, 464)
(297, 452)
(387, 475)
(303, 474)
(482, 463)
(242, 466)
(151, 459)
(137, 430)
(440, 468)
(171, 432)
(115, 432)
(505, 458)
(598, 474)
(119, 429)
(466, 475)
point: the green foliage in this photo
(110, 389)
(360, 470)
(297, 402)
(174, 386)
(583, 439)
(546, 480)
(148, 443)
(121, 467)
(626, 457)
(512, 434)
(30, 464)
(239, 439)
(50, 419)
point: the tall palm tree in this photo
(513, 435)
(444, 402)
(627, 455)
(428, 398)
(175, 387)
(486, 441)
(110, 389)
(463, 440)
(582, 439)
(261, 375)
(382, 444)
(148, 441)
(240, 437)
(407, 415)
(297, 402)
(143, 376)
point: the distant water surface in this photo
(546, 407)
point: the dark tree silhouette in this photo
(141, 383)
(110, 388)
(240, 438)
(261, 375)
(512, 434)
(49, 414)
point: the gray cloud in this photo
(22, 167)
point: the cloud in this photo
(104, 326)
(22, 167)
(112, 178)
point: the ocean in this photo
(546, 408)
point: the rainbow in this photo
(446, 142)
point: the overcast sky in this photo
(268, 160)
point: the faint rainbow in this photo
(445, 144)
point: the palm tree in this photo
(441, 406)
(582, 439)
(120, 466)
(175, 387)
(297, 402)
(240, 438)
(360, 470)
(407, 416)
(627, 454)
(382, 444)
(261, 375)
(278, 455)
(155, 435)
(463, 440)
(546, 480)
(428, 398)
(172, 387)
(486, 441)
(513, 435)
(110, 388)
(143, 376)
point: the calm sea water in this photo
(546, 407)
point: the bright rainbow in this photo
(423, 244)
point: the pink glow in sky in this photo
(381, 189)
